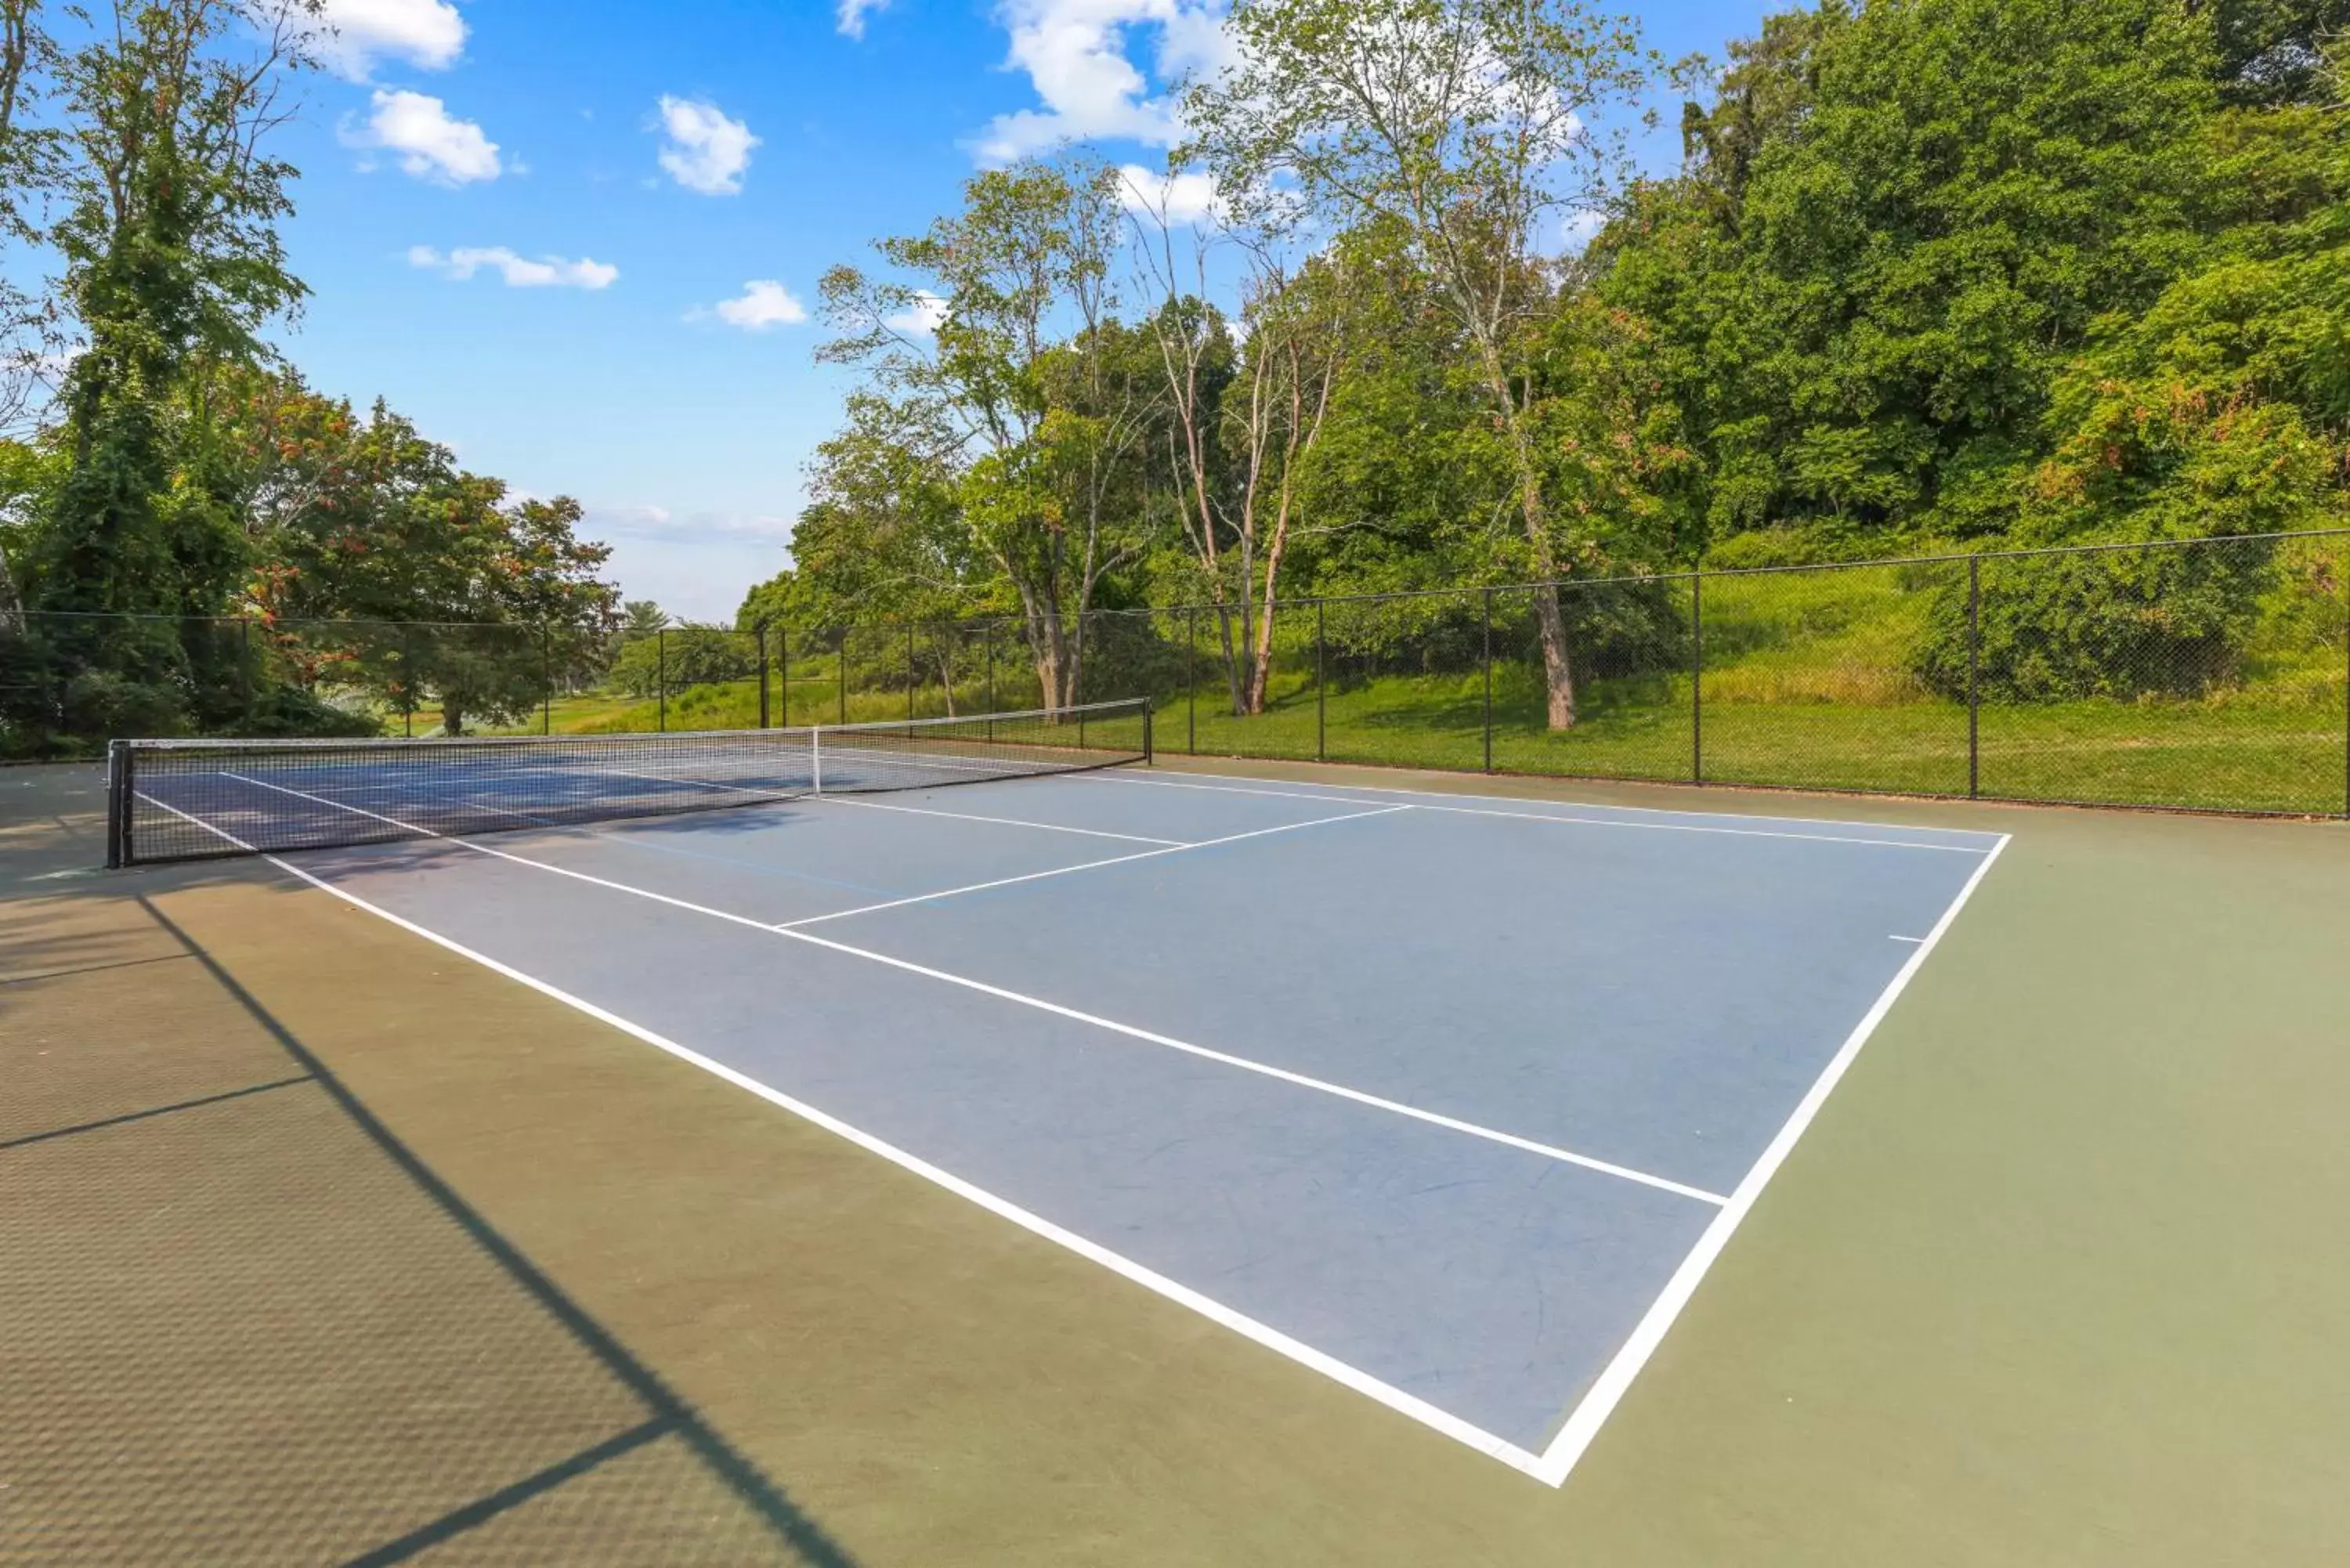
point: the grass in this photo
(2219, 754)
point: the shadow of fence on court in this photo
(248, 1324)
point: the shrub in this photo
(2168, 621)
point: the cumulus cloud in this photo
(1075, 53)
(764, 303)
(852, 13)
(924, 317)
(428, 33)
(430, 142)
(518, 271)
(1177, 198)
(704, 151)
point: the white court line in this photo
(1167, 1042)
(1407, 1405)
(781, 798)
(1583, 1421)
(1087, 865)
(1547, 817)
(1902, 939)
(1004, 821)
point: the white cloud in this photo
(706, 151)
(1074, 54)
(764, 303)
(661, 523)
(1180, 199)
(519, 272)
(924, 317)
(430, 144)
(428, 33)
(852, 13)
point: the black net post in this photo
(1149, 752)
(1974, 672)
(1489, 679)
(1321, 692)
(660, 674)
(1697, 676)
(118, 804)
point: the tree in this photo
(1470, 124)
(1038, 427)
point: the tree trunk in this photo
(1234, 661)
(1558, 671)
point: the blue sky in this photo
(574, 239)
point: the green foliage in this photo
(682, 657)
(2126, 623)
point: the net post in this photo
(1149, 752)
(660, 674)
(1321, 692)
(759, 630)
(1489, 680)
(118, 847)
(1697, 676)
(1975, 673)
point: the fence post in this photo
(660, 674)
(1697, 676)
(1321, 692)
(783, 671)
(1974, 666)
(546, 681)
(2344, 568)
(759, 630)
(844, 675)
(245, 668)
(1489, 680)
(911, 673)
(988, 633)
(407, 682)
(1191, 682)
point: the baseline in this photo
(1244, 786)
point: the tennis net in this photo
(186, 800)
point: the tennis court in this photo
(1452, 1099)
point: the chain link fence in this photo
(2207, 675)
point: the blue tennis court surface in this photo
(1451, 1098)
